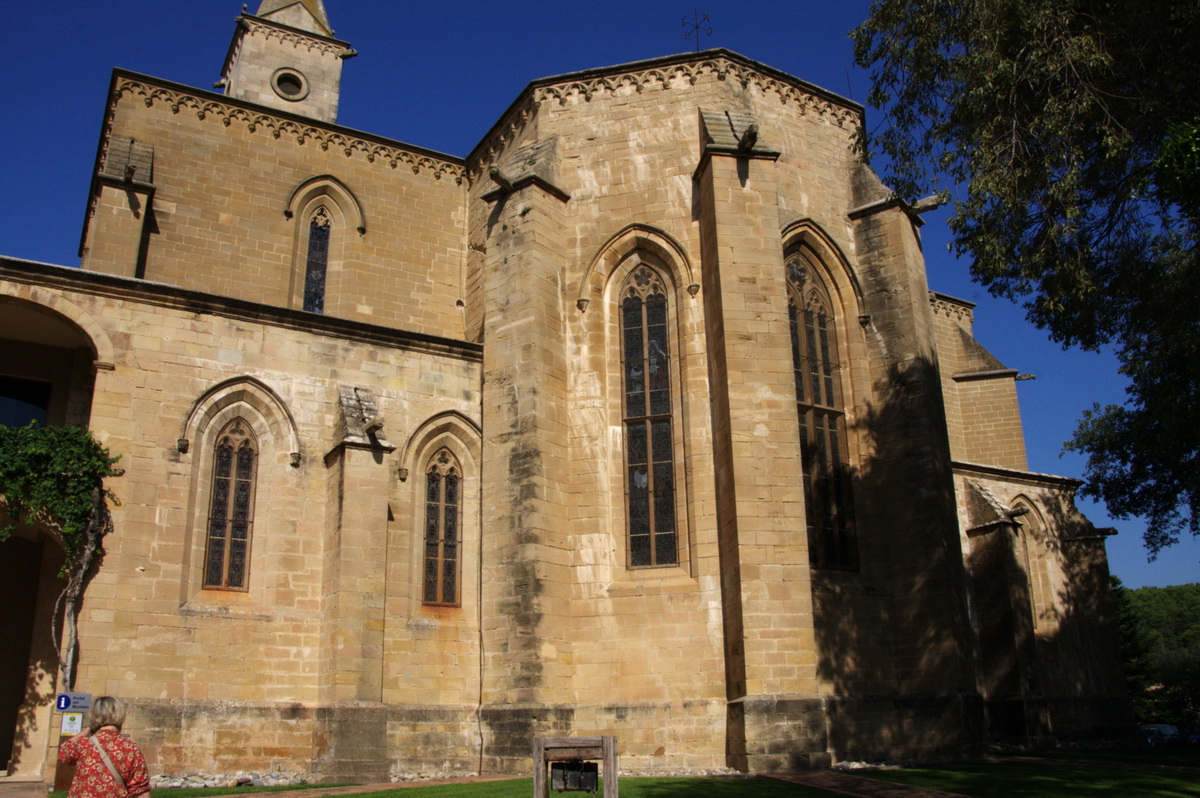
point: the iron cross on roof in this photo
(695, 26)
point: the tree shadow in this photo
(30, 586)
(943, 641)
(893, 637)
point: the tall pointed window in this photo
(227, 556)
(831, 540)
(443, 508)
(317, 260)
(649, 444)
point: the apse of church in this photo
(638, 420)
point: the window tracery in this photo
(443, 509)
(231, 516)
(649, 442)
(819, 405)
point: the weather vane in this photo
(697, 25)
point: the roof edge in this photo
(266, 111)
(19, 270)
(658, 63)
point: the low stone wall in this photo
(242, 778)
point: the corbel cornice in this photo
(958, 309)
(180, 99)
(663, 73)
(256, 26)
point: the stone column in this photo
(351, 724)
(772, 686)
(525, 475)
(908, 542)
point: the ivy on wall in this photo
(53, 478)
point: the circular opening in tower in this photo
(289, 84)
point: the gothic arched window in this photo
(831, 540)
(649, 443)
(231, 516)
(316, 262)
(443, 506)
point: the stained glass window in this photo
(319, 228)
(443, 507)
(831, 541)
(649, 445)
(227, 556)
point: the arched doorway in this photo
(47, 373)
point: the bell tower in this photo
(285, 57)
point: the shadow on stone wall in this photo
(29, 665)
(927, 653)
(893, 638)
(1077, 686)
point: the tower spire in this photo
(286, 57)
(286, 12)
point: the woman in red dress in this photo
(123, 775)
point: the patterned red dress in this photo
(92, 779)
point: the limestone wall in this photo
(603, 173)
(225, 177)
(1041, 607)
(232, 677)
(983, 415)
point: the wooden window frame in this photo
(442, 539)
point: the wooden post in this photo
(574, 749)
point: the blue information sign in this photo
(73, 702)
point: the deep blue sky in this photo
(438, 74)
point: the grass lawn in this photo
(1059, 779)
(1185, 756)
(199, 792)
(523, 788)
(630, 788)
(1065, 776)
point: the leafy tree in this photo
(54, 477)
(1160, 633)
(1070, 128)
(1168, 617)
(1134, 655)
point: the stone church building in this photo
(640, 419)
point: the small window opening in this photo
(317, 260)
(289, 84)
(443, 506)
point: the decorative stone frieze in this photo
(956, 309)
(279, 127)
(583, 87)
(293, 37)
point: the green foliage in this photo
(1134, 648)
(48, 476)
(1162, 651)
(1070, 129)
(1177, 169)
(1169, 616)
